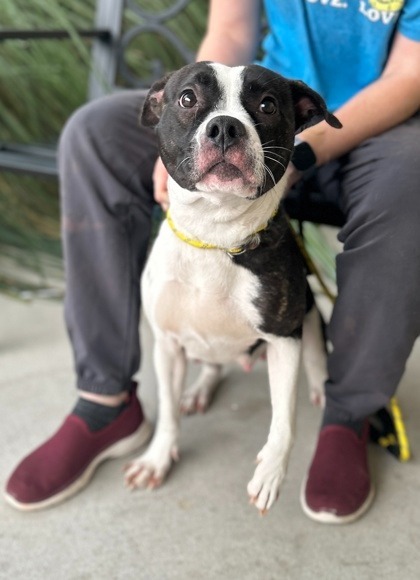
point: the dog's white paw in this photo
(196, 401)
(317, 396)
(197, 397)
(263, 489)
(150, 469)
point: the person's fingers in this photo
(160, 184)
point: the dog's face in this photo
(223, 129)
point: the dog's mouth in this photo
(225, 171)
(224, 176)
(232, 171)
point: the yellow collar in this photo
(250, 243)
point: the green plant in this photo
(42, 83)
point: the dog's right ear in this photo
(153, 105)
(310, 107)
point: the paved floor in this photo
(199, 524)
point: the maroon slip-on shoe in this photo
(65, 463)
(338, 489)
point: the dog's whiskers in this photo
(183, 161)
(269, 172)
(266, 146)
(268, 150)
(276, 161)
(275, 155)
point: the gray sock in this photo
(330, 418)
(95, 415)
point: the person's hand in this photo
(160, 184)
(292, 176)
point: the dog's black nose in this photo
(225, 131)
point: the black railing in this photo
(24, 34)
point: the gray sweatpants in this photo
(106, 161)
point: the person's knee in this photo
(381, 186)
(84, 127)
(105, 157)
(388, 205)
(108, 129)
(394, 214)
(82, 148)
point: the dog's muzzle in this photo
(226, 158)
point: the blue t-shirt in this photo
(337, 47)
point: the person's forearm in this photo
(226, 50)
(232, 33)
(378, 108)
(385, 103)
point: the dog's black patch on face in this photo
(266, 96)
(277, 262)
(197, 81)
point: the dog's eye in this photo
(188, 99)
(268, 106)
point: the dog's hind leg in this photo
(150, 469)
(314, 355)
(199, 395)
(283, 356)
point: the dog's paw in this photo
(248, 359)
(317, 396)
(195, 401)
(150, 469)
(198, 397)
(264, 487)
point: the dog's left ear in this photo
(153, 105)
(310, 107)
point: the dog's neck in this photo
(226, 224)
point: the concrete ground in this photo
(199, 524)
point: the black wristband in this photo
(303, 157)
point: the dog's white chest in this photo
(201, 299)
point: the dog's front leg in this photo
(283, 355)
(150, 469)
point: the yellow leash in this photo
(402, 439)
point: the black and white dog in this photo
(225, 274)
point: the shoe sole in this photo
(325, 517)
(119, 449)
